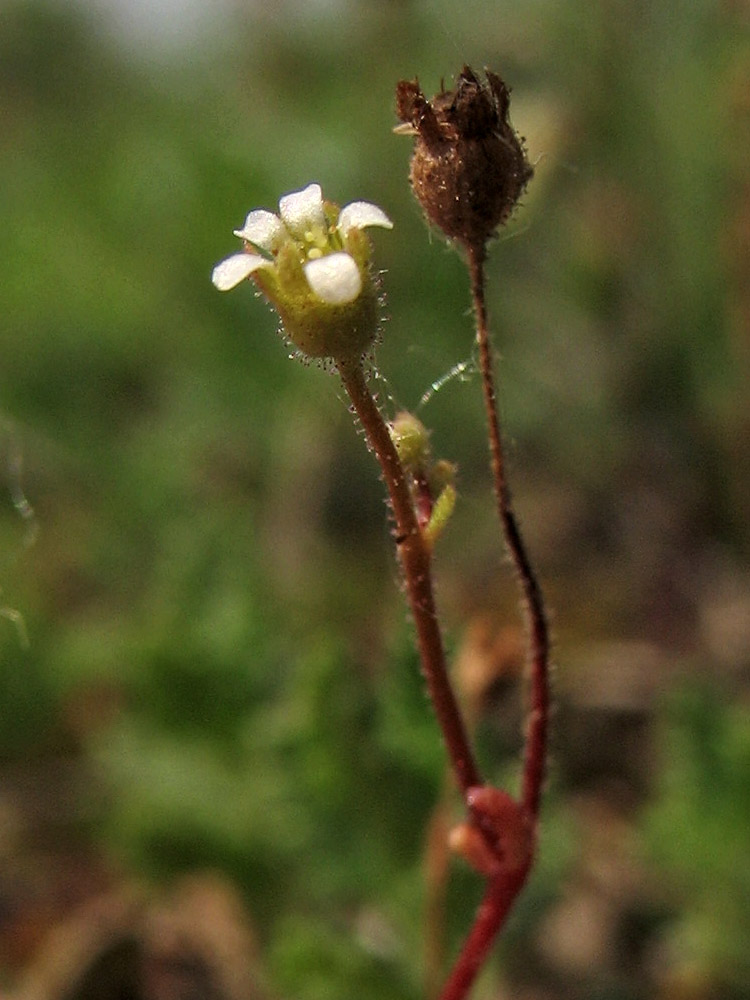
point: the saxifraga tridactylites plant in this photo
(312, 263)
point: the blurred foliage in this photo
(697, 834)
(216, 639)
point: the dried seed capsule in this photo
(469, 166)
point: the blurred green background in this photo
(205, 658)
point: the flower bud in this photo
(442, 475)
(412, 441)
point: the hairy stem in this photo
(502, 891)
(535, 750)
(415, 561)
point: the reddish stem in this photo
(499, 897)
(416, 563)
(535, 751)
(502, 891)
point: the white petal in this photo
(335, 278)
(303, 210)
(234, 269)
(263, 229)
(359, 214)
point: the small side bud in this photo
(469, 166)
(427, 480)
(412, 442)
(442, 474)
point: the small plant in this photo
(312, 263)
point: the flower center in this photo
(317, 242)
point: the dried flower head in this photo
(469, 166)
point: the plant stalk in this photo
(502, 890)
(415, 560)
(499, 897)
(535, 749)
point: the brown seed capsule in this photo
(469, 167)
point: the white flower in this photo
(333, 274)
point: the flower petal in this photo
(335, 278)
(263, 229)
(359, 214)
(303, 210)
(234, 269)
